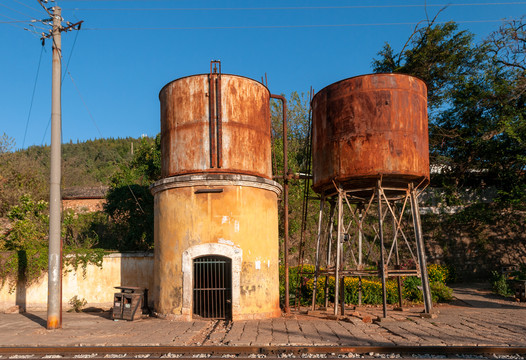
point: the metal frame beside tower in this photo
(355, 254)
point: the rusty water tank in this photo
(232, 138)
(370, 127)
(216, 206)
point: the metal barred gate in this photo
(213, 287)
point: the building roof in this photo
(78, 192)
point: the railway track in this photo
(271, 352)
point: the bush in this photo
(500, 284)
(25, 244)
(440, 292)
(412, 289)
(438, 273)
(302, 283)
(77, 304)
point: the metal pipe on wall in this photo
(285, 201)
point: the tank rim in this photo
(202, 74)
(363, 75)
(214, 179)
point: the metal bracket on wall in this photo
(208, 191)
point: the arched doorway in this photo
(212, 287)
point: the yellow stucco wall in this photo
(96, 286)
(241, 217)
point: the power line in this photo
(113, 0)
(62, 81)
(33, 96)
(78, 91)
(29, 7)
(300, 7)
(280, 26)
(85, 105)
(13, 21)
(70, 55)
(19, 12)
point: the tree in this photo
(298, 136)
(129, 201)
(477, 104)
(6, 143)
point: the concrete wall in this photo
(96, 286)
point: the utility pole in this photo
(54, 302)
(54, 297)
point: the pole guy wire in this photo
(62, 81)
(33, 95)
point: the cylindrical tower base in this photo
(216, 247)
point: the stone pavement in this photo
(476, 318)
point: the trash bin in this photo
(117, 306)
(130, 303)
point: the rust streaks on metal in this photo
(368, 127)
(215, 126)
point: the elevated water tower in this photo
(216, 211)
(370, 158)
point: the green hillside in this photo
(89, 163)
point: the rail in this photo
(192, 352)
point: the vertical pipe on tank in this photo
(219, 121)
(428, 305)
(285, 201)
(212, 120)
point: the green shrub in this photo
(77, 304)
(438, 273)
(301, 282)
(440, 292)
(411, 289)
(25, 244)
(500, 284)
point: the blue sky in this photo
(127, 50)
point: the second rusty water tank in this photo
(215, 123)
(370, 127)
